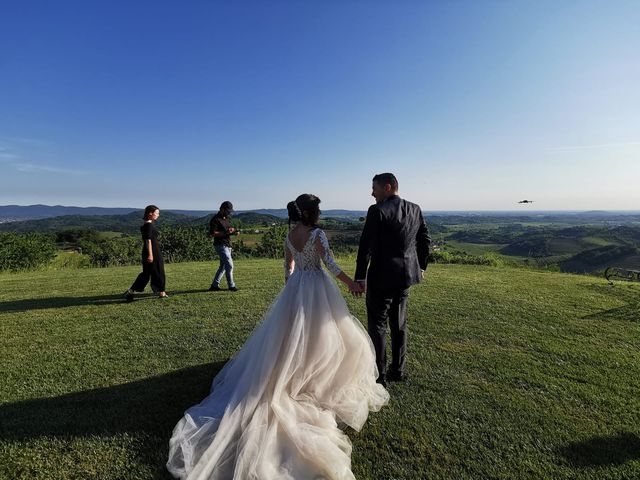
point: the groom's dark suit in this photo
(395, 246)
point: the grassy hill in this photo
(576, 249)
(514, 373)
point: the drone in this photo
(525, 201)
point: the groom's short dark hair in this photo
(384, 178)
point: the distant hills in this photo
(125, 223)
(573, 241)
(15, 213)
(33, 212)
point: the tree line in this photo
(24, 251)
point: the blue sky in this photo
(473, 104)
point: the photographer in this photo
(221, 230)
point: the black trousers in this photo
(388, 306)
(153, 271)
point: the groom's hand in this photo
(362, 288)
(355, 289)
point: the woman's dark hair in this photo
(149, 209)
(305, 209)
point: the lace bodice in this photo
(308, 259)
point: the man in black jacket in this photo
(394, 246)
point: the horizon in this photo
(245, 210)
(473, 105)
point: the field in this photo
(473, 248)
(514, 373)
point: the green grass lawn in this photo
(514, 373)
(474, 248)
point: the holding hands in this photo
(357, 288)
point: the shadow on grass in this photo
(185, 292)
(27, 304)
(603, 451)
(150, 407)
(625, 293)
(630, 312)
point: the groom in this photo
(394, 246)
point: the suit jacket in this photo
(394, 245)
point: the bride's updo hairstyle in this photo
(305, 209)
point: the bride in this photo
(274, 409)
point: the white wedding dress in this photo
(274, 409)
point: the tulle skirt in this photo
(274, 409)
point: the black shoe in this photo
(213, 288)
(128, 296)
(233, 289)
(397, 377)
(382, 381)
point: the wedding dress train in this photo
(274, 409)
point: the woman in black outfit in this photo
(152, 263)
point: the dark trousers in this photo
(388, 306)
(153, 271)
